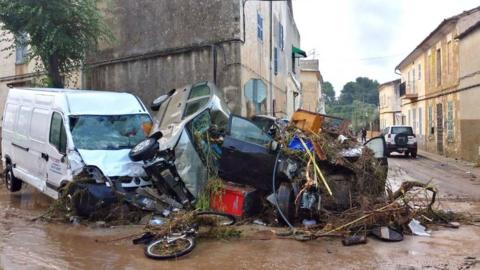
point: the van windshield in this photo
(109, 132)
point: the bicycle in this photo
(181, 242)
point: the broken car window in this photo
(193, 106)
(109, 132)
(244, 130)
(199, 91)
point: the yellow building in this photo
(469, 92)
(311, 83)
(389, 104)
(430, 92)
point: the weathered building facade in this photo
(248, 48)
(432, 98)
(311, 84)
(469, 92)
(389, 104)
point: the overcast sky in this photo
(353, 38)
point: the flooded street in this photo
(38, 245)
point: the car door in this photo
(246, 155)
(55, 152)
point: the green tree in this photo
(362, 89)
(329, 92)
(58, 32)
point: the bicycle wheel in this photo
(214, 218)
(163, 249)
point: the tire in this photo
(151, 253)
(144, 150)
(413, 154)
(286, 202)
(12, 183)
(225, 219)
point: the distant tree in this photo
(362, 89)
(329, 92)
(58, 32)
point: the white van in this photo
(50, 135)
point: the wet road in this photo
(36, 245)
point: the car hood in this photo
(112, 162)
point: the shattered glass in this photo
(109, 132)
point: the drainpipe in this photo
(271, 52)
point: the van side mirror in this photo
(156, 135)
(158, 101)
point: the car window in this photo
(404, 130)
(58, 137)
(199, 91)
(377, 146)
(198, 129)
(193, 106)
(244, 130)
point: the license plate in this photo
(402, 149)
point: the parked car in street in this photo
(51, 135)
(400, 139)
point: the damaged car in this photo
(195, 137)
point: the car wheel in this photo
(286, 202)
(144, 150)
(13, 184)
(413, 154)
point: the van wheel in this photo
(13, 184)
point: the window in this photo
(23, 122)
(281, 43)
(449, 46)
(419, 72)
(420, 121)
(109, 132)
(259, 27)
(58, 137)
(414, 117)
(256, 92)
(431, 130)
(244, 130)
(402, 130)
(275, 60)
(439, 67)
(37, 132)
(413, 81)
(450, 120)
(409, 117)
(21, 49)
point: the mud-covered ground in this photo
(37, 245)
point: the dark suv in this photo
(400, 139)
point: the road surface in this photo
(37, 245)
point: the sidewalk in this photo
(459, 164)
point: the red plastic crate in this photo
(236, 200)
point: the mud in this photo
(38, 245)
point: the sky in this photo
(368, 38)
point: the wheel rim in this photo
(8, 179)
(161, 248)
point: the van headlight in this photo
(75, 162)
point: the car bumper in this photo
(402, 148)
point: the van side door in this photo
(56, 152)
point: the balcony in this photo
(407, 93)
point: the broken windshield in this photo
(109, 132)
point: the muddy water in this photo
(38, 245)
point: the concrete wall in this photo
(469, 96)
(311, 81)
(163, 44)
